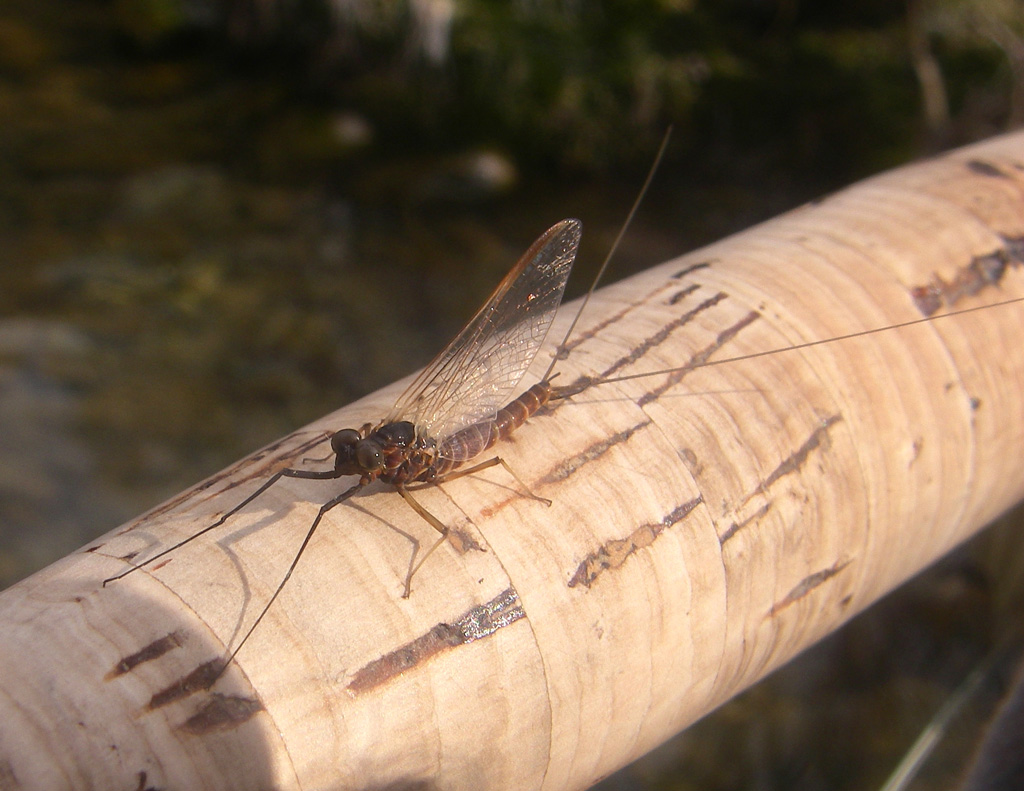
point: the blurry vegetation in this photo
(834, 88)
(590, 86)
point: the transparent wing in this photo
(478, 371)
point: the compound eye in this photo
(369, 456)
(340, 439)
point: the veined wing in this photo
(476, 374)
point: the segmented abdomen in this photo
(470, 442)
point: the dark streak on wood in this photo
(699, 359)
(735, 527)
(8, 780)
(199, 679)
(682, 294)
(983, 168)
(462, 541)
(808, 584)
(658, 338)
(476, 623)
(692, 268)
(142, 785)
(614, 553)
(221, 713)
(638, 351)
(927, 298)
(569, 466)
(1014, 247)
(582, 337)
(796, 459)
(154, 650)
(983, 271)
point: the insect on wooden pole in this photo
(706, 526)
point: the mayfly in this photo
(458, 407)
(461, 404)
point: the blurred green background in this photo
(221, 219)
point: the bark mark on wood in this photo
(199, 679)
(682, 294)
(637, 352)
(662, 335)
(985, 168)
(796, 460)
(569, 467)
(983, 271)
(808, 584)
(691, 269)
(699, 359)
(221, 713)
(154, 650)
(735, 527)
(614, 553)
(476, 623)
(614, 318)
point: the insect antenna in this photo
(560, 352)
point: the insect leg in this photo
(451, 476)
(434, 522)
(286, 473)
(326, 436)
(302, 548)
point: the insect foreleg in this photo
(286, 473)
(302, 547)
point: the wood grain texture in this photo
(705, 527)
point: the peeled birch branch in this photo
(706, 526)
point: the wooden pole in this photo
(705, 528)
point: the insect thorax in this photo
(408, 456)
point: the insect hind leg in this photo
(451, 476)
(436, 523)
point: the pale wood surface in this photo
(701, 532)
